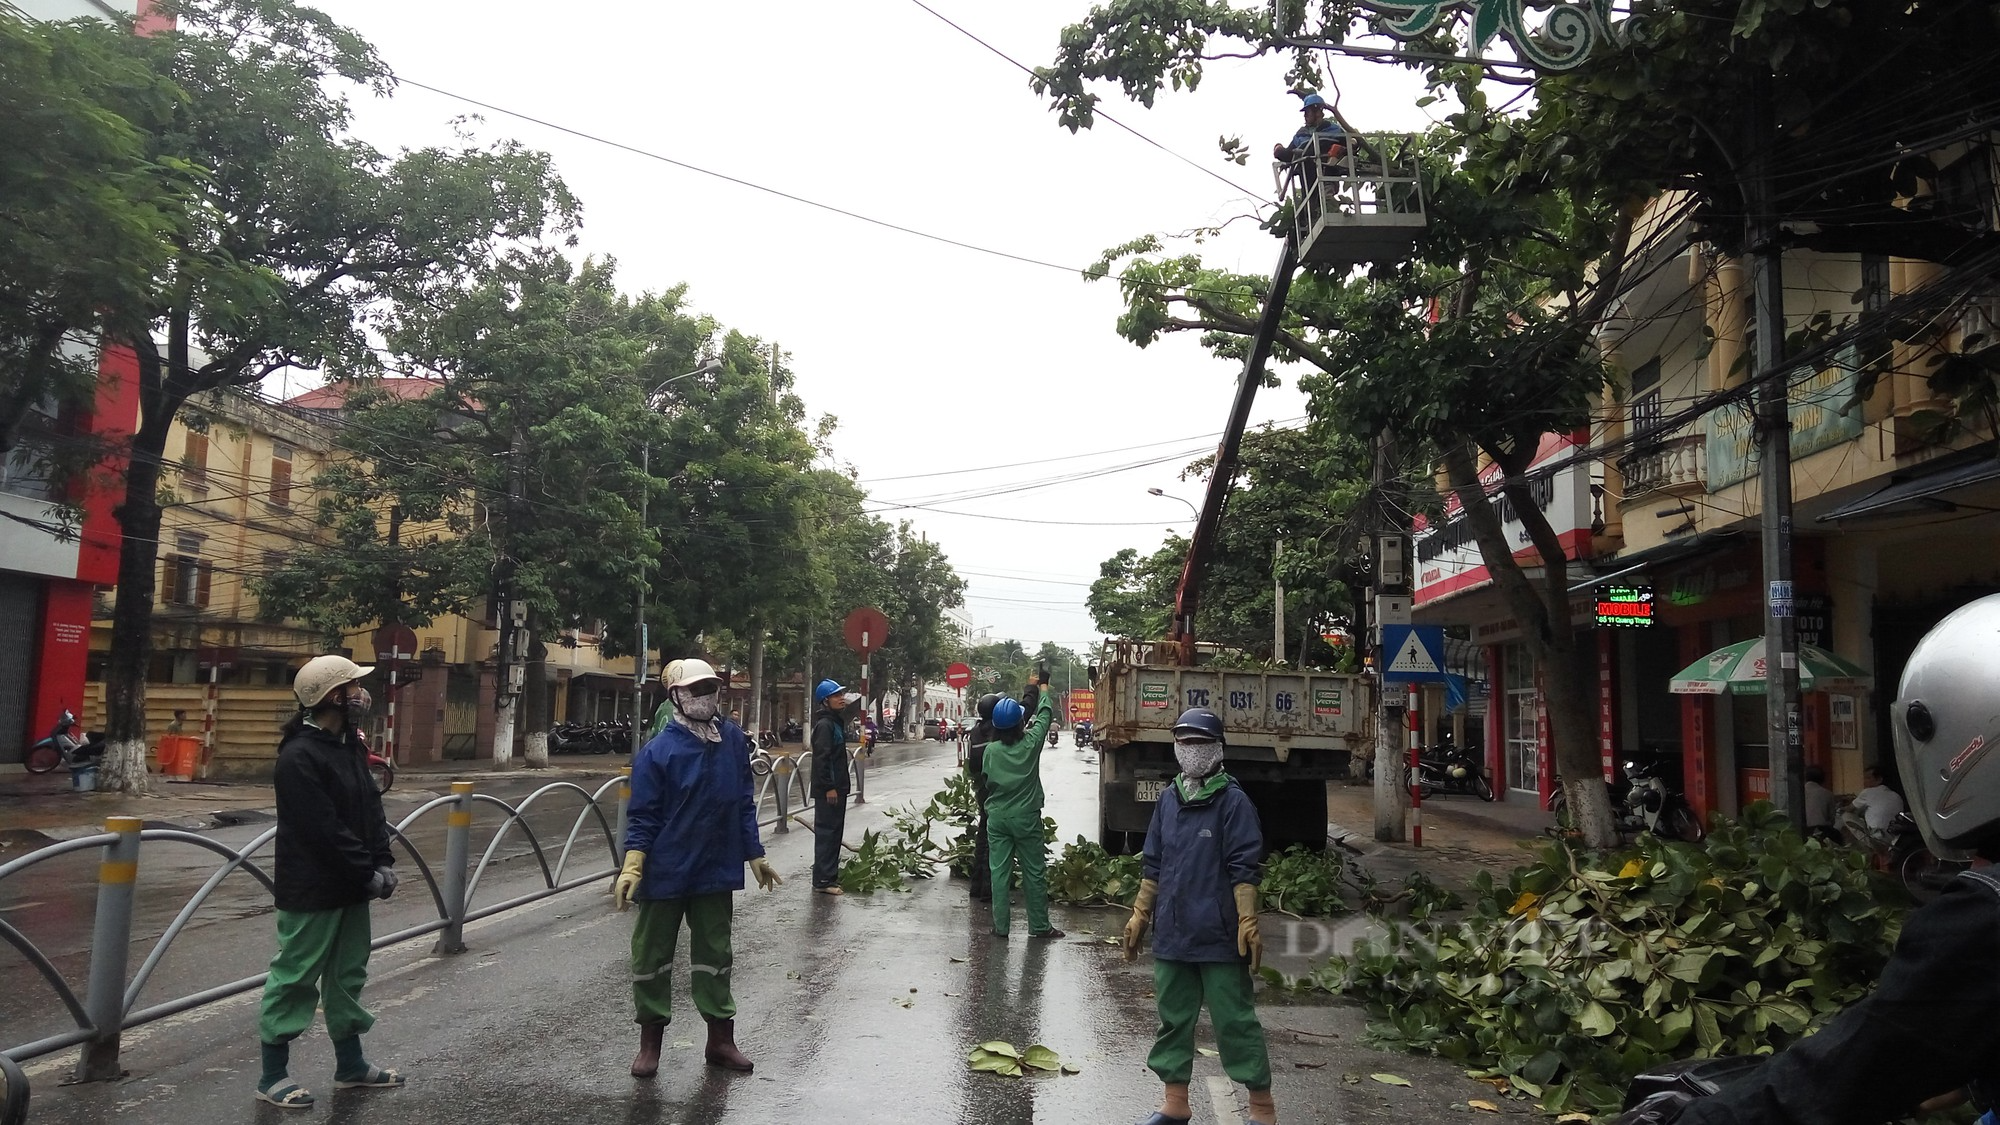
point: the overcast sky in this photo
(936, 359)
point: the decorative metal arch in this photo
(1569, 30)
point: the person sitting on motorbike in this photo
(1928, 1030)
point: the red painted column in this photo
(62, 654)
(1696, 742)
(1607, 704)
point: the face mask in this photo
(359, 703)
(1198, 759)
(698, 708)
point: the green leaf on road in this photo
(1390, 1079)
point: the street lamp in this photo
(639, 603)
(1196, 512)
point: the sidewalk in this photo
(1462, 835)
(35, 809)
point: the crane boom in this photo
(1187, 595)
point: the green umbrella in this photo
(1740, 668)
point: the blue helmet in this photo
(825, 688)
(1199, 722)
(1307, 101)
(1008, 714)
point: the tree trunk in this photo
(535, 700)
(124, 767)
(1545, 621)
(755, 719)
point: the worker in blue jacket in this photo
(690, 827)
(1200, 876)
(1320, 133)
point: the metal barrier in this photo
(110, 998)
(13, 1093)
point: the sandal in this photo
(371, 1079)
(834, 890)
(287, 1095)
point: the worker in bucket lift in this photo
(1319, 127)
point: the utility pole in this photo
(1390, 606)
(1278, 620)
(514, 638)
(1774, 440)
(639, 657)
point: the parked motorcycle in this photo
(1644, 803)
(62, 747)
(381, 769)
(1446, 769)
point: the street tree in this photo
(300, 233)
(88, 210)
(922, 640)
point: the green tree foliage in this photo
(299, 234)
(88, 212)
(1581, 969)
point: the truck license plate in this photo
(1148, 792)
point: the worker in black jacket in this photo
(829, 782)
(975, 755)
(332, 859)
(1930, 1032)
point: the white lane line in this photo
(1223, 1094)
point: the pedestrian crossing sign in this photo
(1414, 653)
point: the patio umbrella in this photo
(1740, 668)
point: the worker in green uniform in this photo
(1200, 872)
(1012, 764)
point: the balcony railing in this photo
(1679, 463)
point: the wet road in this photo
(856, 1009)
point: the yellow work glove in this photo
(1142, 916)
(1249, 942)
(767, 876)
(627, 884)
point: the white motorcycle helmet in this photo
(1946, 725)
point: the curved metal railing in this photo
(109, 1003)
(13, 1093)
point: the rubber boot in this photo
(646, 1063)
(1262, 1109)
(722, 1050)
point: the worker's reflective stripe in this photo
(709, 969)
(118, 871)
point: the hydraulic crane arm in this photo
(1187, 595)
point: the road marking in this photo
(1223, 1094)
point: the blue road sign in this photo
(1412, 654)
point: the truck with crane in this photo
(1290, 732)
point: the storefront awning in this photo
(1920, 492)
(1664, 554)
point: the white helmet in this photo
(1946, 724)
(321, 675)
(683, 673)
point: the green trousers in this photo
(1182, 987)
(657, 931)
(322, 954)
(1004, 840)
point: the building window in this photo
(281, 475)
(1522, 718)
(186, 577)
(274, 561)
(194, 461)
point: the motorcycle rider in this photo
(1202, 866)
(1012, 764)
(690, 829)
(975, 758)
(1929, 1028)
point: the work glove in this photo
(767, 876)
(627, 884)
(384, 882)
(1142, 916)
(1249, 942)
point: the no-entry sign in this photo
(957, 676)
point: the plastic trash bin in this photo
(83, 779)
(178, 755)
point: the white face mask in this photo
(1198, 759)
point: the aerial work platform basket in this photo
(1356, 206)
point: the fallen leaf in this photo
(913, 990)
(1000, 1047)
(1487, 1107)
(1632, 869)
(681, 1043)
(1524, 903)
(958, 960)
(952, 994)
(1068, 1068)
(1583, 1117)
(1390, 1079)
(1308, 1066)
(1207, 1052)
(1041, 1058)
(1114, 941)
(1351, 1078)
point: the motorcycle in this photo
(63, 748)
(1645, 804)
(380, 769)
(1053, 735)
(1085, 736)
(1447, 769)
